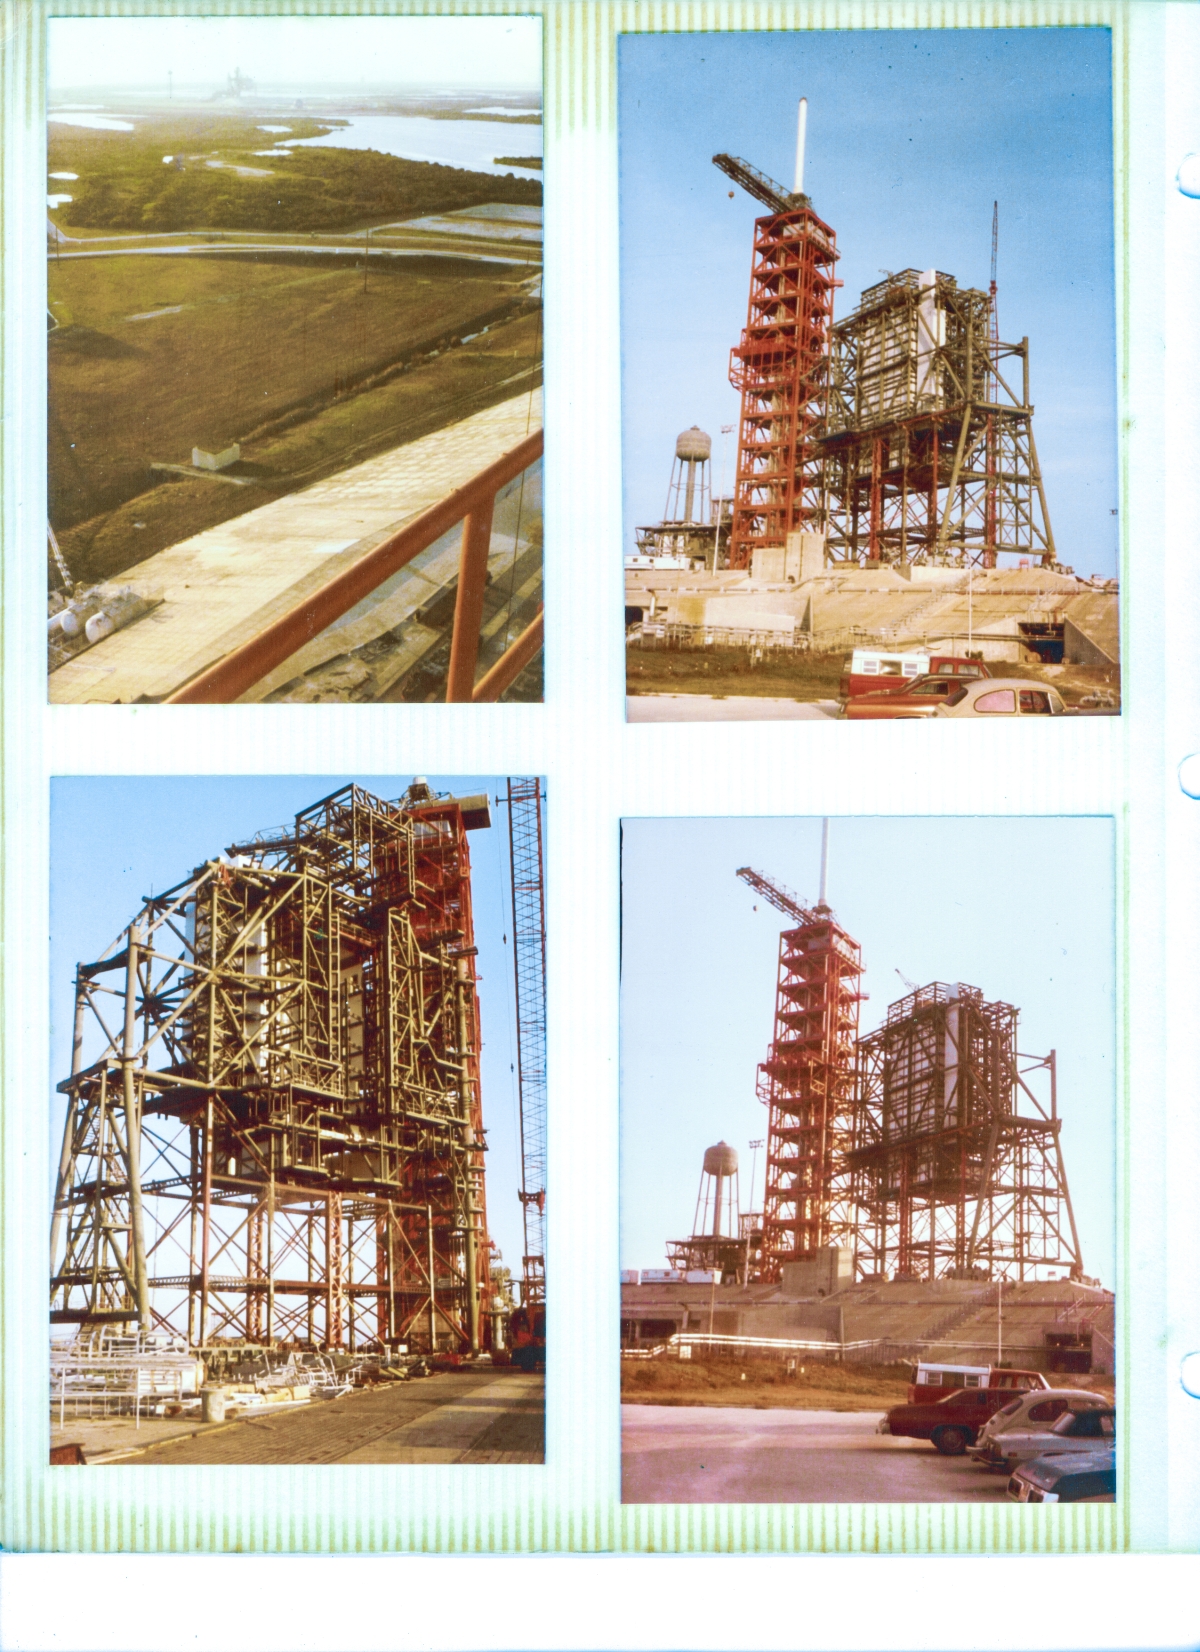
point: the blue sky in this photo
(911, 137)
(115, 841)
(1021, 908)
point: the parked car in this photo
(1002, 697)
(954, 1423)
(1078, 1477)
(1033, 1411)
(1074, 1431)
(1038, 1408)
(920, 698)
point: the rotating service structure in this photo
(956, 1165)
(928, 454)
(274, 1130)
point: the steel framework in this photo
(949, 1177)
(927, 452)
(807, 1083)
(529, 967)
(274, 1129)
(781, 369)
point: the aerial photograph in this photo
(294, 360)
(855, 490)
(299, 1208)
(868, 1209)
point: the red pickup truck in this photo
(871, 671)
(952, 1423)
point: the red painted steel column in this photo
(468, 608)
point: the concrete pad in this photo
(101, 1435)
(708, 708)
(222, 586)
(732, 1454)
(469, 1415)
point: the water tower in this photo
(689, 493)
(714, 1241)
(687, 533)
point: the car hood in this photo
(1046, 1471)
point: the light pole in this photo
(754, 1147)
(725, 431)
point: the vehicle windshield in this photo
(956, 694)
(1011, 1409)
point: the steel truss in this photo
(274, 1128)
(529, 965)
(807, 1084)
(927, 451)
(781, 368)
(947, 1174)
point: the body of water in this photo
(98, 123)
(473, 144)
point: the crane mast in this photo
(529, 971)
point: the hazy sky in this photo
(115, 841)
(1020, 908)
(501, 53)
(911, 137)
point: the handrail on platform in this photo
(472, 505)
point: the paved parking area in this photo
(711, 708)
(733, 1454)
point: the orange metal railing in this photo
(472, 505)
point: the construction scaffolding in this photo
(807, 1083)
(956, 1167)
(274, 1130)
(927, 452)
(781, 369)
(529, 968)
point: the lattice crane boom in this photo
(529, 968)
(756, 183)
(782, 899)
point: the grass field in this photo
(219, 178)
(766, 1385)
(782, 674)
(319, 443)
(785, 674)
(243, 343)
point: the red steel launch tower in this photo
(807, 1082)
(781, 366)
